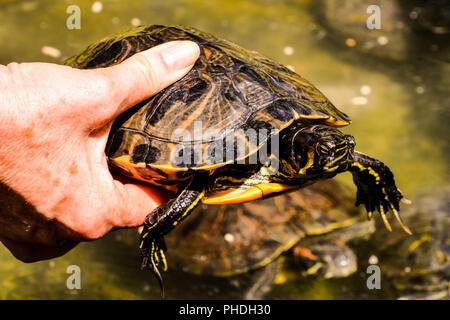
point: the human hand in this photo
(55, 186)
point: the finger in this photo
(138, 201)
(147, 72)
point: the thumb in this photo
(138, 201)
(150, 71)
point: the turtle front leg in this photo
(376, 188)
(160, 222)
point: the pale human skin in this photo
(55, 185)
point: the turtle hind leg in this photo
(160, 222)
(376, 188)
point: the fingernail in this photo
(180, 54)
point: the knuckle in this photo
(90, 235)
(11, 74)
(101, 89)
(93, 231)
(86, 227)
(147, 67)
(101, 86)
(13, 67)
(124, 208)
(105, 84)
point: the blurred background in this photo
(393, 82)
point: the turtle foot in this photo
(152, 253)
(377, 189)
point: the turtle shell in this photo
(231, 239)
(229, 90)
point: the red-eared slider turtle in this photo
(315, 222)
(418, 266)
(238, 127)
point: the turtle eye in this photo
(330, 145)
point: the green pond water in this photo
(393, 83)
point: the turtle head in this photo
(319, 149)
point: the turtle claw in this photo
(154, 269)
(385, 220)
(406, 201)
(152, 252)
(400, 220)
(160, 281)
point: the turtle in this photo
(309, 227)
(238, 127)
(329, 255)
(418, 267)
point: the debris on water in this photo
(407, 269)
(97, 7)
(365, 90)
(413, 15)
(382, 40)
(290, 67)
(420, 90)
(289, 51)
(373, 259)
(359, 101)
(135, 22)
(439, 30)
(228, 237)
(51, 51)
(350, 42)
(29, 6)
(235, 283)
(343, 262)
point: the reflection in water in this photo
(412, 48)
(396, 93)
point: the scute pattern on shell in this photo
(229, 88)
